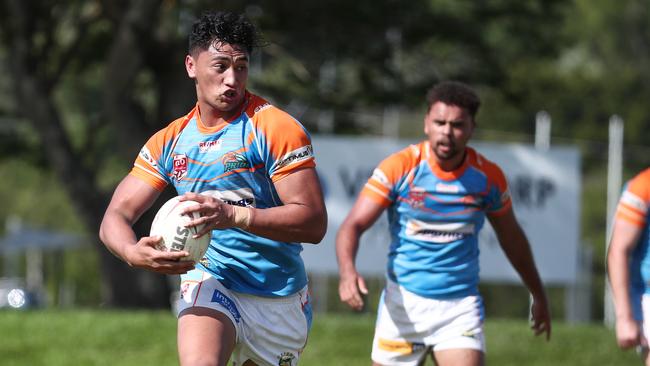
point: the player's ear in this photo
(190, 66)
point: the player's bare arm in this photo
(352, 285)
(301, 218)
(516, 247)
(625, 236)
(130, 200)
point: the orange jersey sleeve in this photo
(635, 200)
(282, 141)
(389, 173)
(148, 164)
(497, 182)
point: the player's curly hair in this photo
(226, 27)
(454, 93)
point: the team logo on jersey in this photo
(417, 196)
(209, 146)
(234, 160)
(440, 233)
(180, 166)
(286, 359)
(295, 156)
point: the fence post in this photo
(614, 181)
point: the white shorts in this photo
(270, 331)
(409, 326)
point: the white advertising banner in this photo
(545, 187)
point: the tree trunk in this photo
(122, 286)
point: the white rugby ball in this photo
(169, 224)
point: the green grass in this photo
(93, 337)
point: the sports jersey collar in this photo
(443, 174)
(205, 129)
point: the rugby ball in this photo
(169, 224)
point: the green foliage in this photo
(84, 337)
(362, 65)
(36, 196)
(581, 60)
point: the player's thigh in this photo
(459, 357)
(205, 337)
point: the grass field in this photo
(92, 337)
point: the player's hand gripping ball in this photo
(169, 224)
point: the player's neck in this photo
(213, 117)
(450, 165)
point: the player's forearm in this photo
(347, 246)
(518, 252)
(116, 234)
(289, 223)
(529, 275)
(619, 279)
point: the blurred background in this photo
(85, 83)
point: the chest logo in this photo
(180, 166)
(209, 146)
(417, 197)
(234, 160)
(438, 232)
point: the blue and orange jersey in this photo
(435, 217)
(237, 162)
(634, 207)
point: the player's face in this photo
(220, 74)
(449, 128)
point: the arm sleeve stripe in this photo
(149, 178)
(632, 219)
(146, 170)
(630, 214)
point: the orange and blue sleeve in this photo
(499, 194)
(285, 143)
(149, 164)
(380, 187)
(635, 200)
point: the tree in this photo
(56, 55)
(95, 78)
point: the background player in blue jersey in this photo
(628, 265)
(437, 194)
(251, 168)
